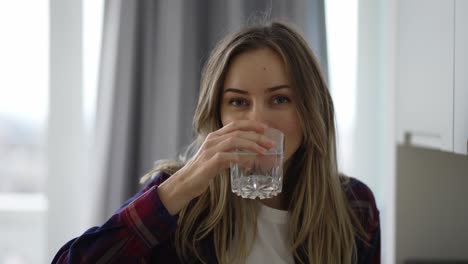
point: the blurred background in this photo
(93, 92)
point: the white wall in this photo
(361, 46)
(66, 135)
(75, 42)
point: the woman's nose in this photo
(259, 113)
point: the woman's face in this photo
(257, 87)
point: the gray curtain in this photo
(152, 55)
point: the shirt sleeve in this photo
(129, 236)
(363, 203)
(371, 252)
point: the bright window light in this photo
(341, 22)
(24, 53)
(24, 80)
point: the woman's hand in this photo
(214, 155)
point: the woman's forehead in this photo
(261, 69)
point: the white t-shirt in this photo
(271, 243)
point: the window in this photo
(23, 95)
(24, 113)
(24, 49)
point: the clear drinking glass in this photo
(259, 176)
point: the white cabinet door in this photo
(461, 78)
(425, 62)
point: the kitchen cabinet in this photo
(432, 64)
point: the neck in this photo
(276, 202)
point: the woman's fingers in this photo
(244, 125)
(260, 139)
(236, 143)
(257, 137)
(243, 140)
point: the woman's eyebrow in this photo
(234, 90)
(277, 87)
(268, 90)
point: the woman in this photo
(260, 77)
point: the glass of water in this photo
(256, 175)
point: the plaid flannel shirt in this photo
(142, 231)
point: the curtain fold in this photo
(152, 55)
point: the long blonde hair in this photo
(322, 226)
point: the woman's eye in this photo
(238, 102)
(281, 100)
